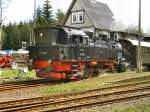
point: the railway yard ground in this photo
(98, 93)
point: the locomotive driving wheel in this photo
(91, 71)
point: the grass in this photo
(91, 83)
(143, 106)
(138, 108)
(9, 75)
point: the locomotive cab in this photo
(50, 36)
(59, 36)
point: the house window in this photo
(77, 17)
(74, 17)
(80, 17)
(115, 37)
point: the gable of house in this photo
(77, 9)
(95, 14)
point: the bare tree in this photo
(132, 28)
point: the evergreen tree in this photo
(3, 6)
(47, 13)
(25, 33)
(39, 17)
(59, 16)
(15, 37)
(3, 36)
(7, 42)
(16, 34)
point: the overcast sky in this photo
(124, 10)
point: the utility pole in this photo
(139, 58)
(0, 24)
(34, 24)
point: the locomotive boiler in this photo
(68, 53)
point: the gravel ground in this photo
(19, 94)
(119, 106)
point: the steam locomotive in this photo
(68, 53)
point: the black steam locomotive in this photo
(68, 53)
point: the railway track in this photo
(26, 84)
(96, 103)
(43, 82)
(77, 100)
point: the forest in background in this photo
(15, 33)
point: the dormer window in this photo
(80, 17)
(74, 17)
(77, 17)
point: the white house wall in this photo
(89, 29)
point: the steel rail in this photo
(42, 104)
(98, 103)
(72, 94)
(26, 84)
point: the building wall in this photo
(88, 29)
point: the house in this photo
(92, 17)
(117, 30)
(146, 37)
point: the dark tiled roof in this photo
(99, 13)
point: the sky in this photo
(125, 11)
